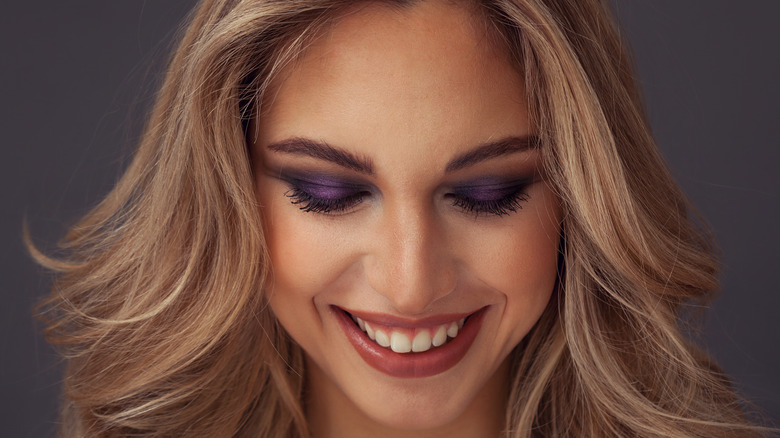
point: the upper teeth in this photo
(423, 339)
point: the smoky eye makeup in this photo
(332, 194)
(490, 195)
(324, 193)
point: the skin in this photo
(406, 90)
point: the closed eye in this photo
(325, 195)
(329, 195)
(497, 199)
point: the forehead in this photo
(426, 77)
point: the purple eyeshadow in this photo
(486, 193)
(326, 193)
(488, 190)
(325, 187)
(325, 190)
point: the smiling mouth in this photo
(412, 339)
(410, 349)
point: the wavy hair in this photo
(159, 307)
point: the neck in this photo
(332, 414)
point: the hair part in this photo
(159, 308)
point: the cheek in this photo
(303, 258)
(520, 262)
(298, 259)
(303, 252)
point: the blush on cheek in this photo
(296, 257)
(307, 252)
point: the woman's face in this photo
(399, 183)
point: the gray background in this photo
(78, 76)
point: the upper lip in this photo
(397, 321)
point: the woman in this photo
(386, 218)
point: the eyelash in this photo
(313, 204)
(495, 207)
(505, 205)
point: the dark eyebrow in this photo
(324, 151)
(493, 149)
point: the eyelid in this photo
(491, 196)
(321, 179)
(323, 193)
(328, 194)
(492, 183)
(314, 204)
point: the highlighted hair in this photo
(159, 305)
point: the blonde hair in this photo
(159, 306)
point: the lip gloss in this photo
(411, 365)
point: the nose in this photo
(410, 262)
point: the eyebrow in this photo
(486, 151)
(324, 151)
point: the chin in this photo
(416, 404)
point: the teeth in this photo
(440, 337)
(452, 331)
(400, 343)
(370, 332)
(422, 341)
(382, 339)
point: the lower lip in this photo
(408, 365)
